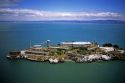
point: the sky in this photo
(37, 10)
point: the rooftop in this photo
(76, 43)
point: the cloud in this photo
(6, 3)
(29, 14)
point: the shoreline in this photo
(36, 58)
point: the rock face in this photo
(90, 58)
(105, 57)
(14, 55)
(53, 60)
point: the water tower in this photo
(48, 43)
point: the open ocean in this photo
(17, 36)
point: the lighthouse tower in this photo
(48, 43)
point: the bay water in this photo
(18, 35)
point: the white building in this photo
(107, 49)
(75, 43)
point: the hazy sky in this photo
(62, 10)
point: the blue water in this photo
(16, 36)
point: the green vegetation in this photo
(82, 50)
(60, 52)
(111, 45)
(116, 46)
(107, 45)
(55, 52)
(52, 53)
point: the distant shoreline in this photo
(77, 21)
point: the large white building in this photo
(75, 43)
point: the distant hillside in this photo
(77, 21)
(92, 21)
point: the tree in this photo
(116, 46)
(107, 45)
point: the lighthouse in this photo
(48, 43)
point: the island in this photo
(80, 52)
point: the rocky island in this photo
(79, 52)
